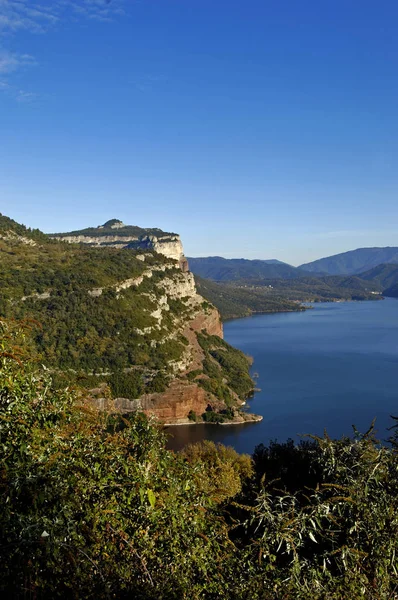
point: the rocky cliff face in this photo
(116, 234)
(182, 396)
(129, 322)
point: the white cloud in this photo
(24, 96)
(23, 14)
(39, 17)
(10, 61)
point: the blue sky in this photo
(257, 129)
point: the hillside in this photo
(391, 291)
(127, 320)
(237, 301)
(384, 276)
(353, 262)
(239, 269)
(329, 288)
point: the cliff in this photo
(116, 234)
(124, 319)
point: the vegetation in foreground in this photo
(94, 506)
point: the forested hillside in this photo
(385, 276)
(122, 319)
(281, 295)
(235, 301)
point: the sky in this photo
(253, 128)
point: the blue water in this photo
(329, 367)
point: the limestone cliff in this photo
(116, 234)
(120, 312)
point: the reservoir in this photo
(332, 366)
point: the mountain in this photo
(127, 321)
(353, 262)
(239, 269)
(115, 234)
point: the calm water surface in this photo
(332, 366)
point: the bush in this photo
(91, 510)
(192, 416)
(93, 506)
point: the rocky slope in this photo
(126, 320)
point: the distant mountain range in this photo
(353, 262)
(362, 271)
(236, 269)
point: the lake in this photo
(329, 367)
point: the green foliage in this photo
(126, 231)
(105, 333)
(93, 506)
(192, 416)
(233, 300)
(158, 383)
(226, 367)
(330, 532)
(8, 226)
(244, 297)
(223, 470)
(94, 511)
(220, 390)
(127, 385)
(209, 416)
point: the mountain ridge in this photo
(219, 268)
(353, 262)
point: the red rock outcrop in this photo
(174, 405)
(208, 320)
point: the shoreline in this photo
(257, 419)
(305, 305)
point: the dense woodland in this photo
(234, 300)
(94, 506)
